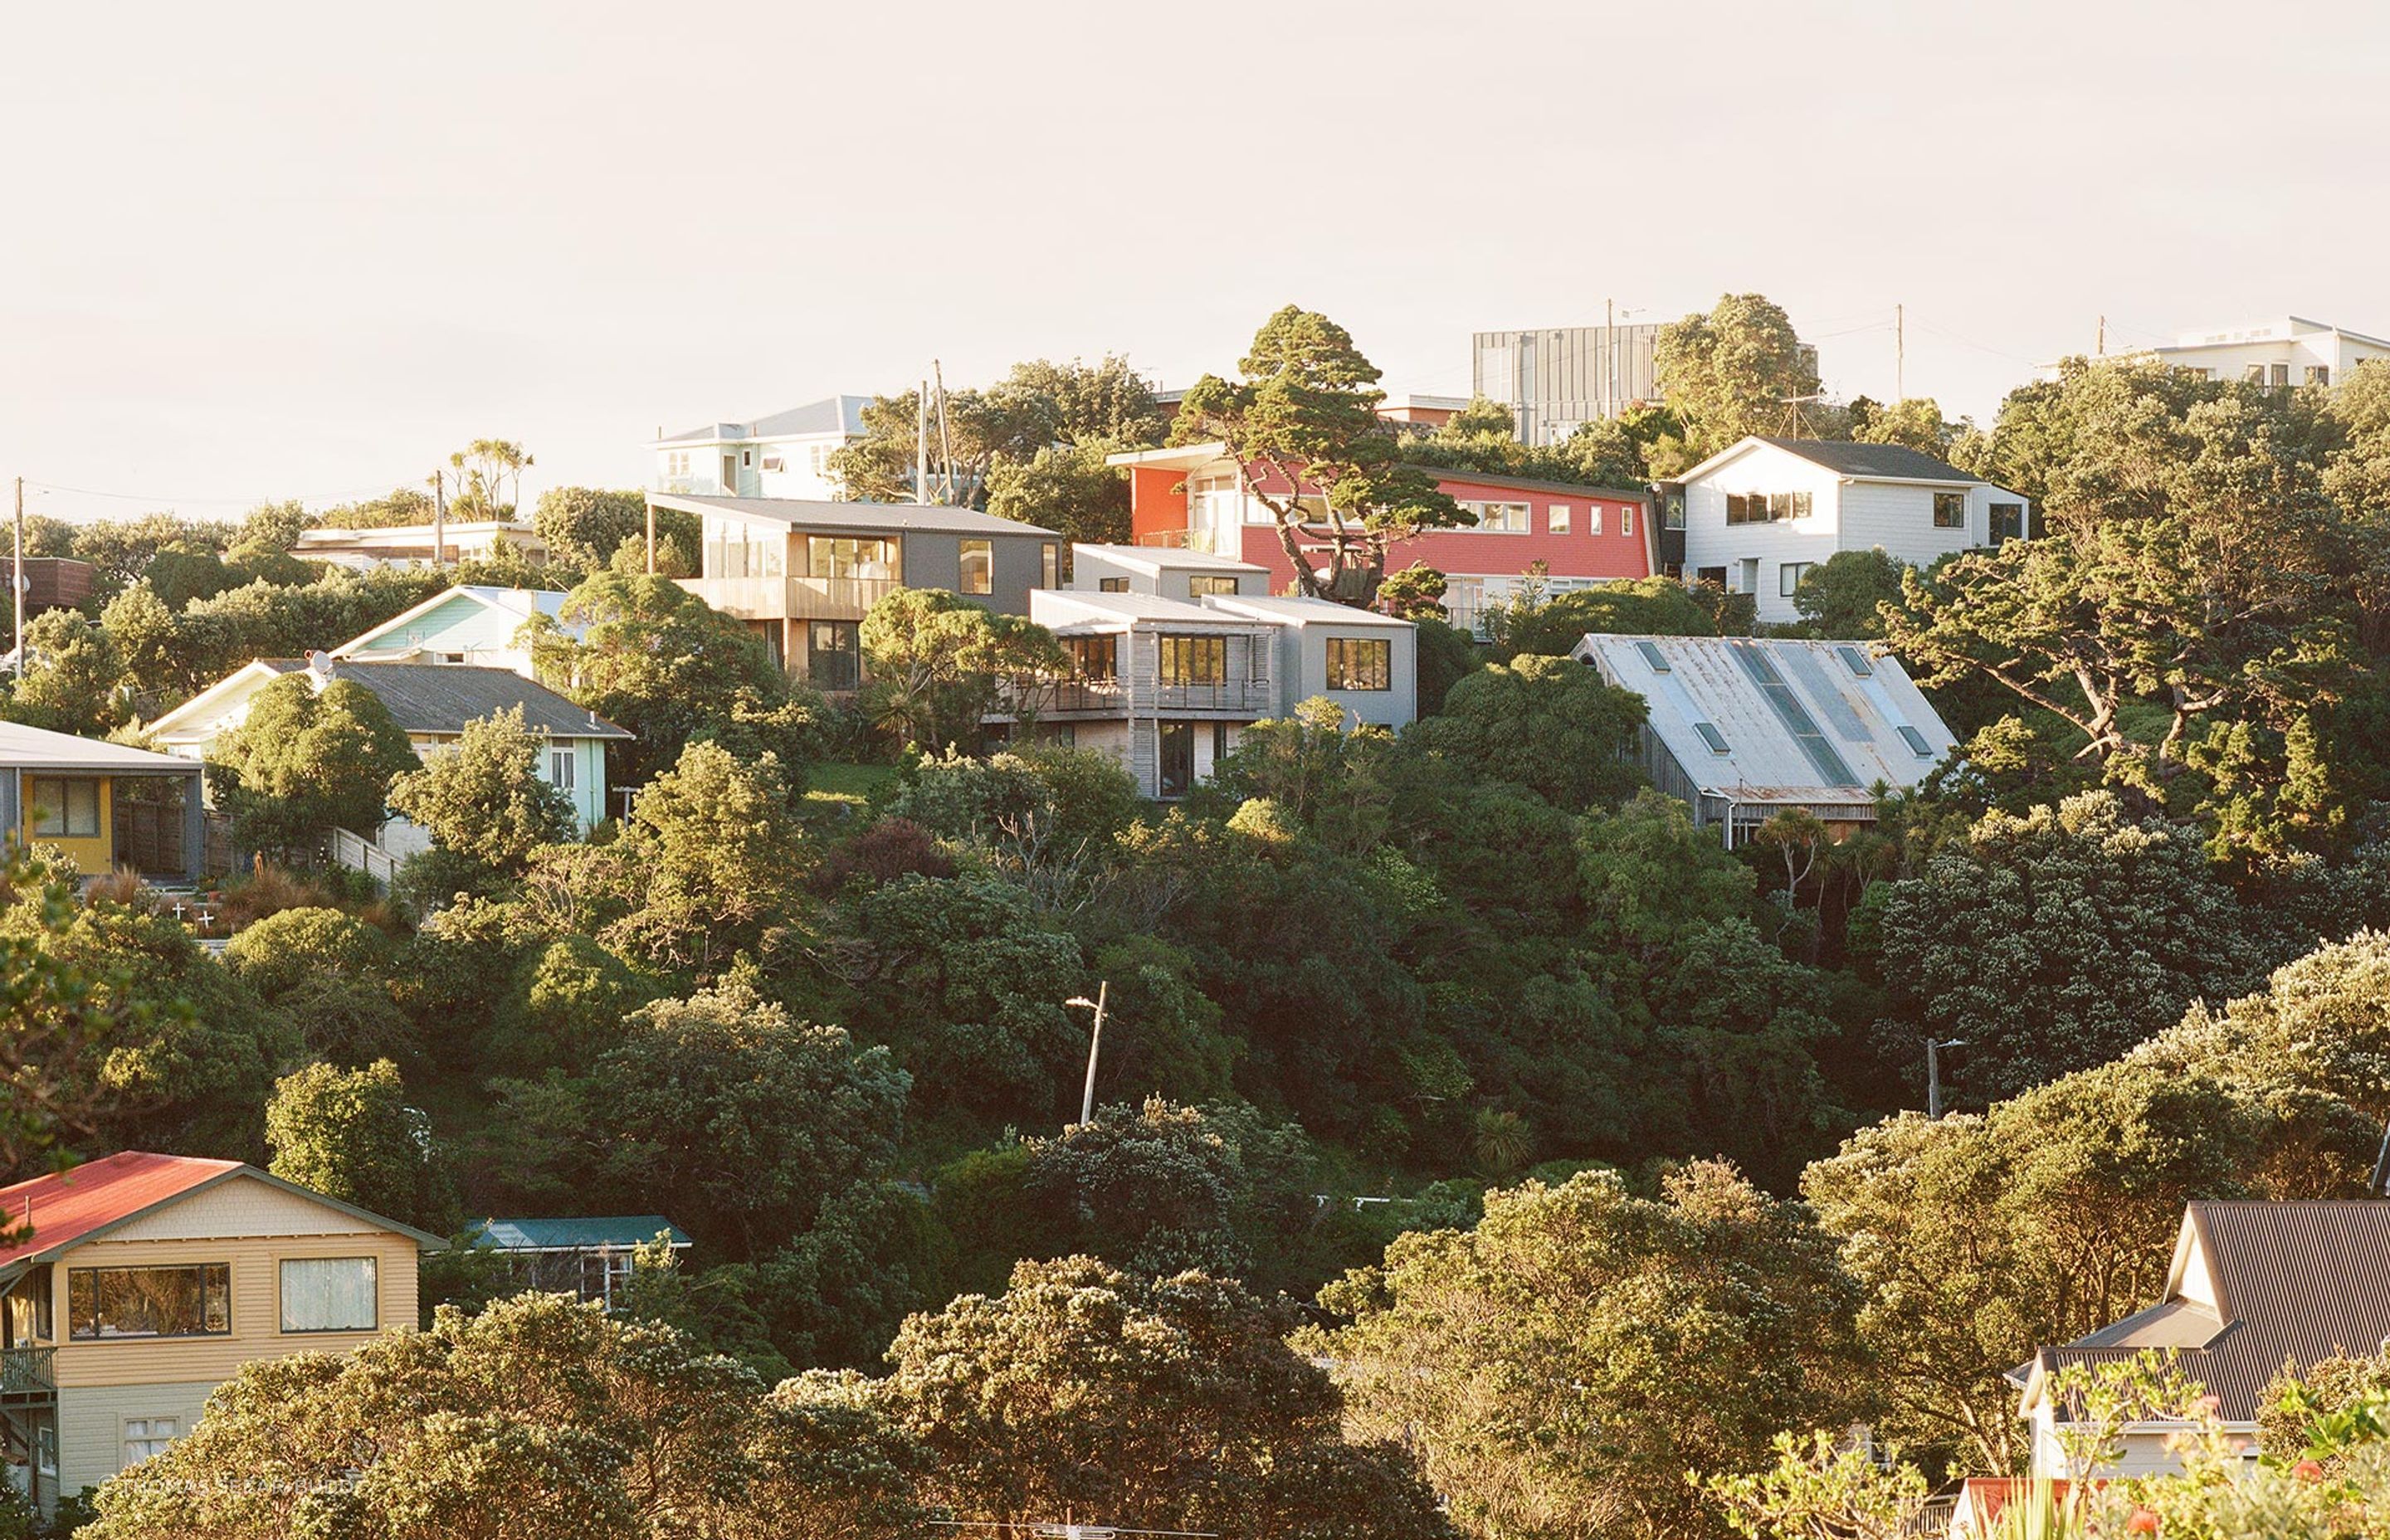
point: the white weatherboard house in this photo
(1759, 514)
(784, 454)
(471, 624)
(1740, 728)
(432, 702)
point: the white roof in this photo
(1302, 610)
(377, 535)
(1157, 557)
(1079, 607)
(38, 749)
(1799, 720)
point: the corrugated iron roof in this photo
(68, 1206)
(442, 698)
(618, 1232)
(1788, 720)
(38, 748)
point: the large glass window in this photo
(1949, 510)
(1765, 508)
(840, 555)
(834, 655)
(1194, 660)
(107, 1303)
(1210, 582)
(1049, 565)
(2008, 522)
(66, 808)
(328, 1294)
(1093, 657)
(1501, 518)
(979, 566)
(1360, 664)
(1177, 755)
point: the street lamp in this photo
(1095, 1044)
(1933, 1073)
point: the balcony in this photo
(1112, 696)
(26, 1375)
(792, 599)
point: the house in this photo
(104, 805)
(1558, 378)
(1740, 728)
(2278, 354)
(1759, 514)
(2253, 1287)
(784, 454)
(803, 574)
(1193, 497)
(432, 702)
(50, 582)
(147, 1280)
(471, 624)
(403, 544)
(1174, 653)
(591, 1258)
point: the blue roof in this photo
(620, 1231)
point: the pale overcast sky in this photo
(305, 251)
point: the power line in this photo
(164, 501)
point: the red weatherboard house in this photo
(1191, 496)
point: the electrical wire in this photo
(163, 501)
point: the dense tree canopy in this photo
(306, 761)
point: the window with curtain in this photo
(328, 1294)
(66, 808)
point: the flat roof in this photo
(802, 513)
(1132, 607)
(1299, 610)
(1160, 556)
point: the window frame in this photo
(848, 637)
(282, 1296)
(975, 566)
(1788, 575)
(1556, 519)
(1523, 512)
(153, 1445)
(1377, 650)
(1087, 655)
(822, 552)
(1626, 520)
(68, 827)
(563, 766)
(1210, 584)
(1943, 498)
(1049, 564)
(97, 1336)
(1182, 648)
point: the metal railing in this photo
(28, 1371)
(796, 599)
(1112, 695)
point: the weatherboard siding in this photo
(91, 1419)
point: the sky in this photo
(253, 252)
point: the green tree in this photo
(1818, 1490)
(305, 762)
(350, 1134)
(1552, 626)
(1301, 427)
(1414, 594)
(1067, 488)
(1843, 595)
(1561, 1367)
(330, 974)
(715, 854)
(1740, 369)
(1547, 723)
(61, 1015)
(74, 679)
(484, 803)
(988, 438)
(584, 526)
(935, 663)
(489, 477)
(1914, 423)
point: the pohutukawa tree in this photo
(1302, 426)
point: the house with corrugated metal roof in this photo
(1740, 728)
(2253, 1287)
(591, 1257)
(471, 623)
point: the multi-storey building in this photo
(785, 455)
(2278, 354)
(1555, 379)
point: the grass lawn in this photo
(847, 783)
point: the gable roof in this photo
(870, 518)
(1799, 719)
(840, 414)
(522, 604)
(442, 698)
(39, 749)
(84, 1202)
(618, 1232)
(2292, 1283)
(1860, 462)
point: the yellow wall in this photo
(95, 856)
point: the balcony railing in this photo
(793, 598)
(1111, 695)
(27, 1372)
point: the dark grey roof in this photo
(866, 518)
(829, 414)
(442, 698)
(2296, 1283)
(1890, 462)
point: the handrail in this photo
(25, 1371)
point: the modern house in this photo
(1759, 514)
(405, 545)
(2277, 353)
(1742, 728)
(1174, 653)
(1193, 497)
(784, 454)
(803, 574)
(104, 805)
(1558, 378)
(591, 1258)
(471, 623)
(147, 1280)
(2253, 1287)
(432, 702)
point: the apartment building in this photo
(2278, 354)
(1558, 378)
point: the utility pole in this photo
(1900, 351)
(945, 444)
(439, 520)
(921, 445)
(649, 498)
(2104, 337)
(17, 580)
(1095, 1044)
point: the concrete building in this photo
(1558, 378)
(2278, 354)
(1760, 513)
(784, 454)
(149, 1280)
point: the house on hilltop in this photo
(782, 454)
(471, 623)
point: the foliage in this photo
(1817, 1491)
(1070, 414)
(1738, 370)
(1547, 723)
(305, 762)
(1414, 594)
(350, 1134)
(484, 798)
(60, 1016)
(584, 526)
(329, 974)
(935, 663)
(712, 856)
(1842, 596)
(1068, 489)
(1447, 656)
(72, 682)
(1550, 625)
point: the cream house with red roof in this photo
(147, 1280)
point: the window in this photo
(775, 464)
(1710, 575)
(29, 1308)
(1111, 585)
(1654, 657)
(746, 457)
(104, 1303)
(561, 768)
(839, 556)
(66, 808)
(46, 1448)
(1788, 575)
(1625, 520)
(1916, 741)
(1676, 511)
(605, 1274)
(1500, 518)
(1711, 736)
(1210, 582)
(1194, 660)
(328, 1294)
(1764, 507)
(677, 464)
(2281, 377)
(2318, 374)
(834, 655)
(1049, 565)
(145, 1436)
(1177, 753)
(1593, 518)
(979, 566)
(1949, 510)
(1558, 519)
(2008, 522)
(1360, 664)
(1747, 575)
(1857, 662)
(2255, 374)
(1094, 657)
(819, 456)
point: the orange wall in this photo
(1157, 500)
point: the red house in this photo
(1192, 497)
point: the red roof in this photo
(69, 1205)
